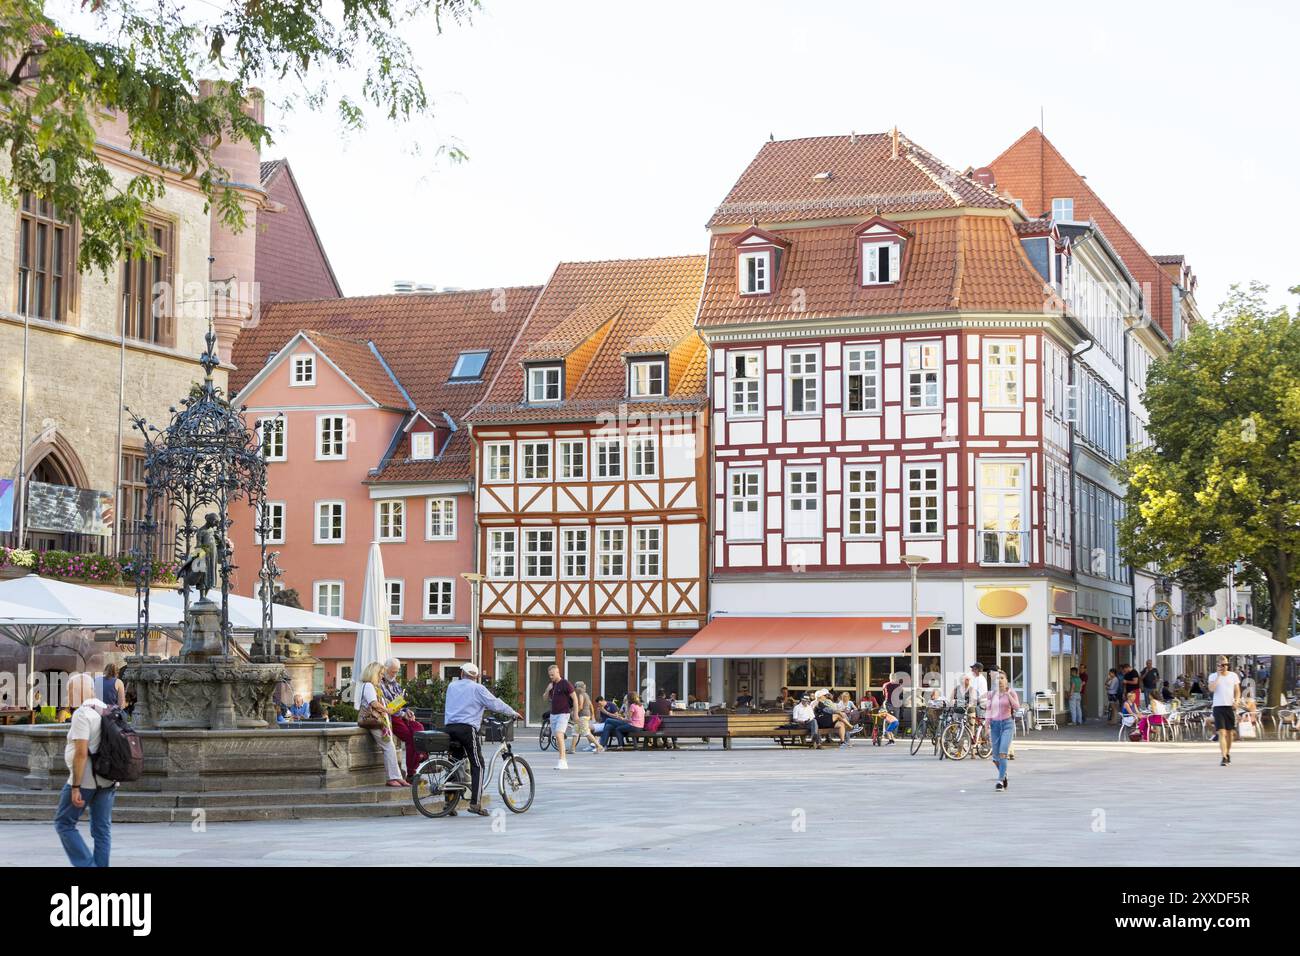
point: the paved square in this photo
(1074, 800)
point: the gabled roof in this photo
(868, 174)
(954, 263)
(634, 300)
(291, 262)
(358, 361)
(420, 335)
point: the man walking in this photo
(83, 788)
(1225, 685)
(564, 704)
(465, 704)
(1076, 696)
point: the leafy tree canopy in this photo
(147, 62)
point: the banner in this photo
(73, 510)
(6, 504)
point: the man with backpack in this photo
(102, 750)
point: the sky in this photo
(613, 129)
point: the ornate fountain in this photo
(202, 464)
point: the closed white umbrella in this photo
(372, 641)
(1234, 640)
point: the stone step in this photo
(225, 814)
(141, 807)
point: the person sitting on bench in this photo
(612, 723)
(804, 716)
(828, 718)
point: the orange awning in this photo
(742, 637)
(1119, 640)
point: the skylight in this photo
(469, 366)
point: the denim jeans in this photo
(1076, 708)
(1001, 733)
(614, 728)
(100, 803)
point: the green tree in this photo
(1222, 481)
(181, 87)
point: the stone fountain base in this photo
(220, 693)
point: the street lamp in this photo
(474, 579)
(914, 561)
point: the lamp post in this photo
(914, 561)
(475, 579)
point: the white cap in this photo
(469, 670)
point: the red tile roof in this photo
(361, 362)
(969, 263)
(645, 297)
(785, 182)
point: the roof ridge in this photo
(374, 349)
(616, 318)
(602, 262)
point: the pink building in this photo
(360, 404)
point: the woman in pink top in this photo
(635, 712)
(1001, 717)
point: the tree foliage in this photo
(145, 62)
(1221, 483)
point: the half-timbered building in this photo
(591, 483)
(883, 382)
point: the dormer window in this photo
(422, 446)
(544, 383)
(755, 273)
(304, 370)
(1063, 210)
(469, 366)
(881, 262)
(646, 379)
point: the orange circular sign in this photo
(1003, 603)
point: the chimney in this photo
(893, 143)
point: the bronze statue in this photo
(199, 570)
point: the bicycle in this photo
(441, 782)
(930, 725)
(965, 736)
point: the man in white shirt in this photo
(1225, 685)
(979, 688)
(83, 788)
(804, 715)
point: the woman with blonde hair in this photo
(584, 716)
(373, 716)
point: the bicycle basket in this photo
(499, 731)
(433, 741)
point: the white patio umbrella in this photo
(1234, 639)
(45, 608)
(372, 641)
(246, 613)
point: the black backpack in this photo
(120, 756)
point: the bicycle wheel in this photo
(955, 741)
(983, 744)
(922, 731)
(517, 786)
(430, 790)
(545, 739)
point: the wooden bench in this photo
(694, 725)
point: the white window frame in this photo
(1061, 202)
(803, 375)
(395, 587)
(917, 371)
(862, 351)
(908, 495)
(746, 498)
(271, 507)
(647, 548)
(527, 448)
(599, 444)
(429, 505)
(637, 389)
(539, 546)
(343, 521)
(298, 365)
(447, 588)
(875, 496)
(316, 597)
(494, 454)
(872, 274)
(1001, 376)
(803, 495)
(643, 456)
(565, 460)
(603, 552)
(396, 512)
(733, 380)
(281, 431)
(539, 383)
(341, 440)
(569, 549)
(982, 489)
(422, 446)
(762, 272)
(503, 554)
